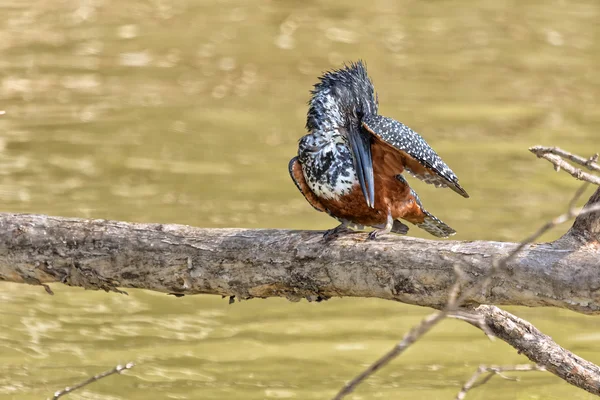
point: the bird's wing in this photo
(298, 177)
(418, 158)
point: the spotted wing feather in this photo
(419, 159)
(431, 223)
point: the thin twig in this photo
(454, 301)
(554, 155)
(572, 213)
(418, 331)
(474, 319)
(541, 349)
(501, 264)
(411, 337)
(116, 370)
(586, 162)
(578, 195)
(492, 370)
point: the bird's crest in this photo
(341, 95)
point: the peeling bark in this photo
(586, 229)
(245, 263)
(540, 348)
(100, 254)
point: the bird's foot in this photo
(376, 233)
(337, 231)
(397, 227)
(390, 224)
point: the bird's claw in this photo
(338, 230)
(373, 235)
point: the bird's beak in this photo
(360, 143)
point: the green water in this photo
(187, 112)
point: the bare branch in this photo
(492, 370)
(411, 337)
(454, 301)
(541, 349)
(586, 229)
(537, 346)
(473, 319)
(554, 155)
(572, 213)
(572, 204)
(245, 263)
(589, 163)
(263, 263)
(116, 370)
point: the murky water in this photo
(188, 112)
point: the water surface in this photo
(188, 112)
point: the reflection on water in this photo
(188, 112)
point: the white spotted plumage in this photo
(344, 101)
(405, 139)
(318, 152)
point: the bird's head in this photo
(341, 98)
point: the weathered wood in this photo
(541, 349)
(100, 254)
(585, 230)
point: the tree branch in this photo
(541, 349)
(408, 340)
(99, 254)
(554, 154)
(116, 370)
(589, 163)
(491, 371)
(477, 318)
(585, 230)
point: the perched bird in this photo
(350, 163)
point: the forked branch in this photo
(585, 230)
(490, 371)
(109, 255)
(519, 333)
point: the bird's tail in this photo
(435, 226)
(431, 223)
